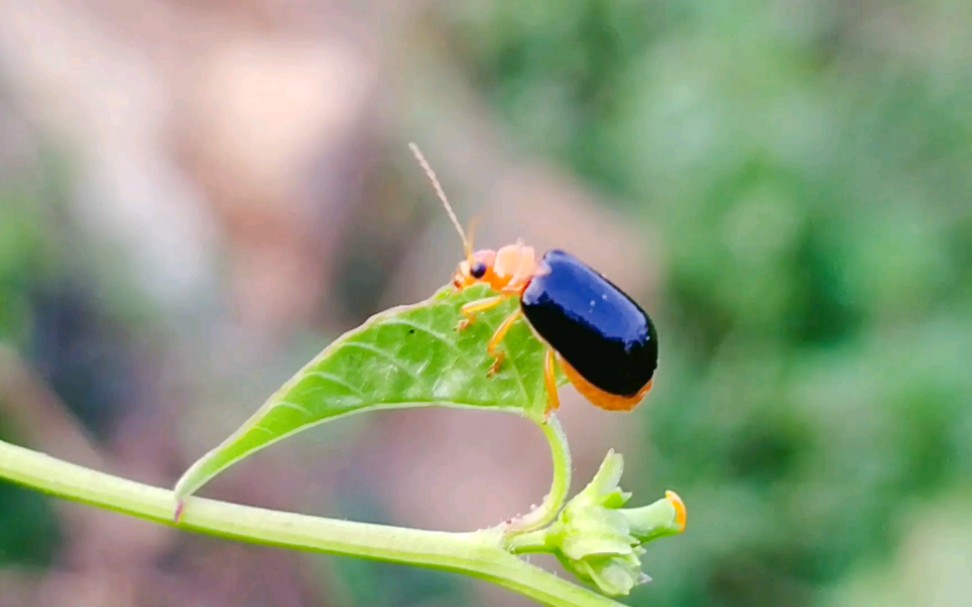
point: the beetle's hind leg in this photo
(494, 342)
(550, 381)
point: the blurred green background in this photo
(196, 197)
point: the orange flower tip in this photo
(681, 513)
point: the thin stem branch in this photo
(547, 511)
(478, 554)
(528, 543)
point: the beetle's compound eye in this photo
(477, 270)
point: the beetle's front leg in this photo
(471, 309)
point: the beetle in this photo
(605, 343)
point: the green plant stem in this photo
(547, 511)
(478, 554)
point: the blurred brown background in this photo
(196, 197)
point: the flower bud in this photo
(600, 542)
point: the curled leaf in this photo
(409, 356)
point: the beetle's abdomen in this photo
(592, 324)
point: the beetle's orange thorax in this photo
(508, 269)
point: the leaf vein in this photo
(336, 380)
(519, 376)
(384, 355)
(295, 406)
(444, 339)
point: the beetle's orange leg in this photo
(513, 288)
(471, 309)
(494, 342)
(550, 380)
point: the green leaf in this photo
(409, 356)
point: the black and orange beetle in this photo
(606, 344)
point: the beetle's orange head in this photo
(509, 269)
(477, 267)
(511, 266)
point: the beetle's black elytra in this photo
(600, 331)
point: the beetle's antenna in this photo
(441, 194)
(471, 233)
